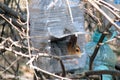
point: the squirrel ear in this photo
(73, 40)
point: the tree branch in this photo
(8, 10)
(104, 14)
(98, 46)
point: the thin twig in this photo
(107, 41)
(95, 18)
(10, 22)
(15, 22)
(109, 5)
(112, 11)
(104, 14)
(10, 65)
(51, 74)
(11, 12)
(99, 72)
(28, 29)
(6, 60)
(6, 70)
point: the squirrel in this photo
(72, 47)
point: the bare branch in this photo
(28, 29)
(12, 12)
(18, 24)
(111, 10)
(10, 22)
(95, 18)
(51, 74)
(10, 65)
(104, 14)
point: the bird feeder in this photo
(57, 29)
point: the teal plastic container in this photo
(105, 59)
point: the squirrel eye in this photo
(77, 50)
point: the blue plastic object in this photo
(113, 30)
(105, 59)
(117, 1)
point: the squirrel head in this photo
(72, 46)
